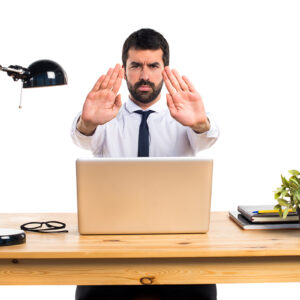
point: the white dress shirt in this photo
(119, 137)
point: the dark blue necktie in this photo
(143, 147)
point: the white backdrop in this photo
(243, 57)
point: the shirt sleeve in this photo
(93, 142)
(201, 141)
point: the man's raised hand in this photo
(184, 102)
(103, 101)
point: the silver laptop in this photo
(143, 195)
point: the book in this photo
(247, 225)
(250, 212)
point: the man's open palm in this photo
(184, 102)
(103, 102)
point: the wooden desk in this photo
(226, 254)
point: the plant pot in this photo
(298, 213)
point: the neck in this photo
(142, 105)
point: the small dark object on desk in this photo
(9, 237)
(51, 227)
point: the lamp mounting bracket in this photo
(16, 72)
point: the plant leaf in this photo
(297, 196)
(285, 213)
(277, 195)
(294, 181)
(280, 211)
(294, 172)
(294, 185)
(285, 193)
(282, 202)
(277, 206)
(285, 182)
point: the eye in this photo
(154, 66)
(134, 66)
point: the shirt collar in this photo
(132, 107)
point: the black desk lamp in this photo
(41, 73)
(38, 74)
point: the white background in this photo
(243, 56)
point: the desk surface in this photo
(224, 239)
(226, 254)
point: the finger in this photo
(172, 79)
(189, 84)
(182, 84)
(106, 79)
(114, 76)
(118, 102)
(98, 83)
(170, 104)
(118, 81)
(168, 84)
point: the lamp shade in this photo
(45, 73)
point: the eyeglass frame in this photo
(51, 228)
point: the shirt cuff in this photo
(201, 141)
(80, 139)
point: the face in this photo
(143, 74)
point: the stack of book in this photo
(263, 217)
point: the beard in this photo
(144, 96)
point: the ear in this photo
(124, 72)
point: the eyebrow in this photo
(137, 64)
(155, 64)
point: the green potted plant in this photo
(288, 195)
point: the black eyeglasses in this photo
(51, 227)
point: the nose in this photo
(144, 74)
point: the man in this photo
(143, 126)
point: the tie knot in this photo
(145, 113)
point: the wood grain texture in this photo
(227, 254)
(224, 239)
(149, 271)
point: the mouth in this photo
(144, 88)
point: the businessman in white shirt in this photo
(144, 126)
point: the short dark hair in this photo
(146, 39)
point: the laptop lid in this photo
(143, 195)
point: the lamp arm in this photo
(16, 72)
